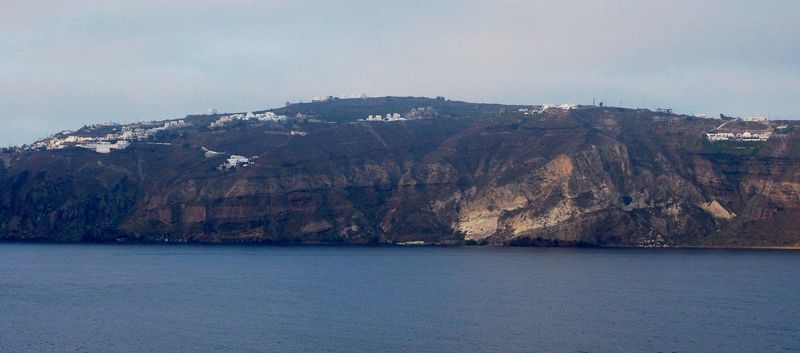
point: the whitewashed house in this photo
(720, 136)
(235, 161)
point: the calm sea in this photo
(194, 298)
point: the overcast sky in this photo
(67, 63)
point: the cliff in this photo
(460, 172)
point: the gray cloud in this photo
(65, 63)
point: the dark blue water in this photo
(150, 298)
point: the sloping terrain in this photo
(470, 173)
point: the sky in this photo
(67, 63)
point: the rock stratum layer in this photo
(480, 173)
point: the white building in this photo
(321, 98)
(106, 147)
(76, 139)
(353, 96)
(747, 136)
(235, 161)
(755, 118)
(269, 116)
(266, 116)
(55, 144)
(388, 117)
(550, 106)
(754, 136)
(720, 136)
(173, 123)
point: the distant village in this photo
(119, 138)
(266, 116)
(107, 137)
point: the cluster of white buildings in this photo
(104, 144)
(544, 107)
(266, 116)
(421, 113)
(739, 136)
(321, 98)
(235, 161)
(317, 99)
(106, 147)
(756, 135)
(413, 114)
(388, 117)
(55, 142)
(559, 106)
(129, 132)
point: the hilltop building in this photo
(321, 98)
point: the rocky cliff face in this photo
(474, 173)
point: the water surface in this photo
(163, 298)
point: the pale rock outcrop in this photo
(715, 209)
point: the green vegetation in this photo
(734, 148)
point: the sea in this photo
(232, 298)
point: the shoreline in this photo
(397, 245)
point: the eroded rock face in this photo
(783, 193)
(716, 210)
(591, 176)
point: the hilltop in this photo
(410, 169)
